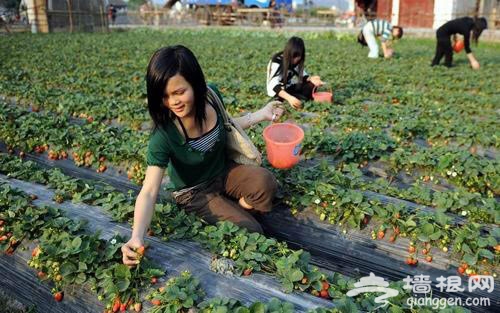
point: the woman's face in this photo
(296, 60)
(179, 97)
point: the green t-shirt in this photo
(187, 167)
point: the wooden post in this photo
(70, 15)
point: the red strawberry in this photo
(154, 280)
(116, 305)
(411, 249)
(156, 302)
(425, 251)
(428, 258)
(380, 234)
(59, 296)
(392, 238)
(325, 285)
(324, 294)
(123, 307)
(41, 275)
(3, 238)
(247, 272)
(141, 250)
(461, 270)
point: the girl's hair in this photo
(294, 48)
(480, 24)
(163, 65)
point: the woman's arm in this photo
(473, 62)
(143, 213)
(271, 111)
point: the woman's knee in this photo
(264, 188)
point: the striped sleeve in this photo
(274, 84)
(385, 30)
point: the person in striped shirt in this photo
(379, 28)
(296, 86)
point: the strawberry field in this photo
(399, 177)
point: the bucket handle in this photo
(316, 87)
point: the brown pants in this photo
(217, 201)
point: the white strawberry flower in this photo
(317, 201)
(454, 174)
(464, 213)
(113, 241)
(448, 173)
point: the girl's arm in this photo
(473, 62)
(270, 112)
(143, 213)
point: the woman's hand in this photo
(294, 102)
(475, 65)
(130, 257)
(272, 111)
(316, 81)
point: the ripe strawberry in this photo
(465, 265)
(324, 294)
(156, 302)
(154, 280)
(366, 219)
(35, 252)
(3, 238)
(461, 270)
(497, 248)
(380, 234)
(425, 251)
(411, 249)
(325, 285)
(123, 307)
(141, 250)
(116, 305)
(138, 307)
(415, 262)
(392, 238)
(41, 275)
(428, 258)
(409, 261)
(2, 222)
(59, 296)
(247, 272)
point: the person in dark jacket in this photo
(465, 26)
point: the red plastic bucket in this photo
(458, 46)
(283, 144)
(322, 96)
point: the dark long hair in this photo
(164, 64)
(480, 24)
(294, 48)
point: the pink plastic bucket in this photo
(283, 144)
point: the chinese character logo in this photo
(374, 283)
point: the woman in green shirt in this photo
(189, 139)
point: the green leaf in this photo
(470, 259)
(122, 284)
(296, 275)
(76, 243)
(67, 268)
(428, 229)
(258, 307)
(436, 235)
(486, 254)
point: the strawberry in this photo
(141, 250)
(396, 230)
(33, 197)
(392, 238)
(58, 277)
(138, 307)
(116, 305)
(409, 261)
(35, 252)
(247, 272)
(304, 281)
(411, 249)
(161, 289)
(397, 216)
(324, 294)
(22, 154)
(380, 234)
(3, 238)
(59, 296)
(156, 302)
(325, 285)
(366, 219)
(465, 266)
(428, 258)
(154, 280)
(461, 270)
(425, 251)
(497, 248)
(123, 307)
(2, 222)
(41, 275)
